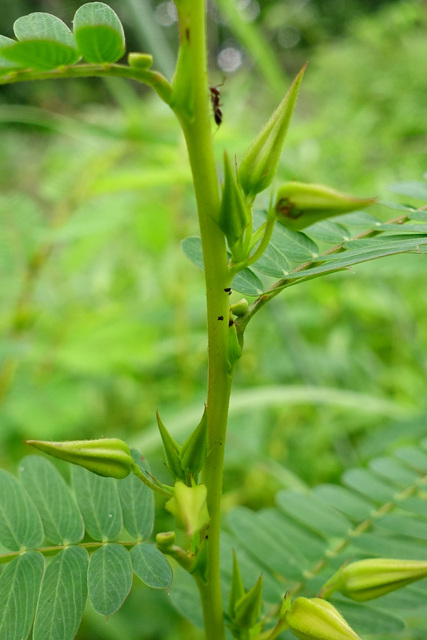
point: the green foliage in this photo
(306, 537)
(287, 247)
(44, 42)
(41, 510)
(377, 511)
(99, 33)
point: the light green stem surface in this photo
(198, 134)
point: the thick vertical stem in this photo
(198, 134)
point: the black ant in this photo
(216, 104)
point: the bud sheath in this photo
(108, 457)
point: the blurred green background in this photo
(102, 318)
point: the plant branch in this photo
(153, 79)
(283, 283)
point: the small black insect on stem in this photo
(216, 104)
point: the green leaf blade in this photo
(247, 283)
(413, 189)
(99, 33)
(19, 589)
(6, 66)
(45, 42)
(256, 537)
(192, 248)
(40, 55)
(272, 263)
(20, 524)
(151, 566)
(62, 596)
(43, 26)
(109, 578)
(99, 503)
(62, 521)
(313, 513)
(137, 502)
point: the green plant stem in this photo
(153, 79)
(198, 135)
(153, 484)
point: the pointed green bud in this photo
(259, 164)
(286, 605)
(182, 99)
(140, 61)
(240, 308)
(108, 457)
(233, 348)
(368, 579)
(248, 608)
(171, 449)
(317, 619)
(237, 590)
(189, 507)
(299, 205)
(194, 451)
(234, 217)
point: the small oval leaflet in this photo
(99, 33)
(44, 42)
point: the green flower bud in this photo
(194, 451)
(234, 217)
(259, 164)
(141, 61)
(240, 308)
(108, 457)
(189, 507)
(165, 540)
(369, 579)
(172, 451)
(299, 205)
(166, 544)
(237, 590)
(248, 608)
(317, 619)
